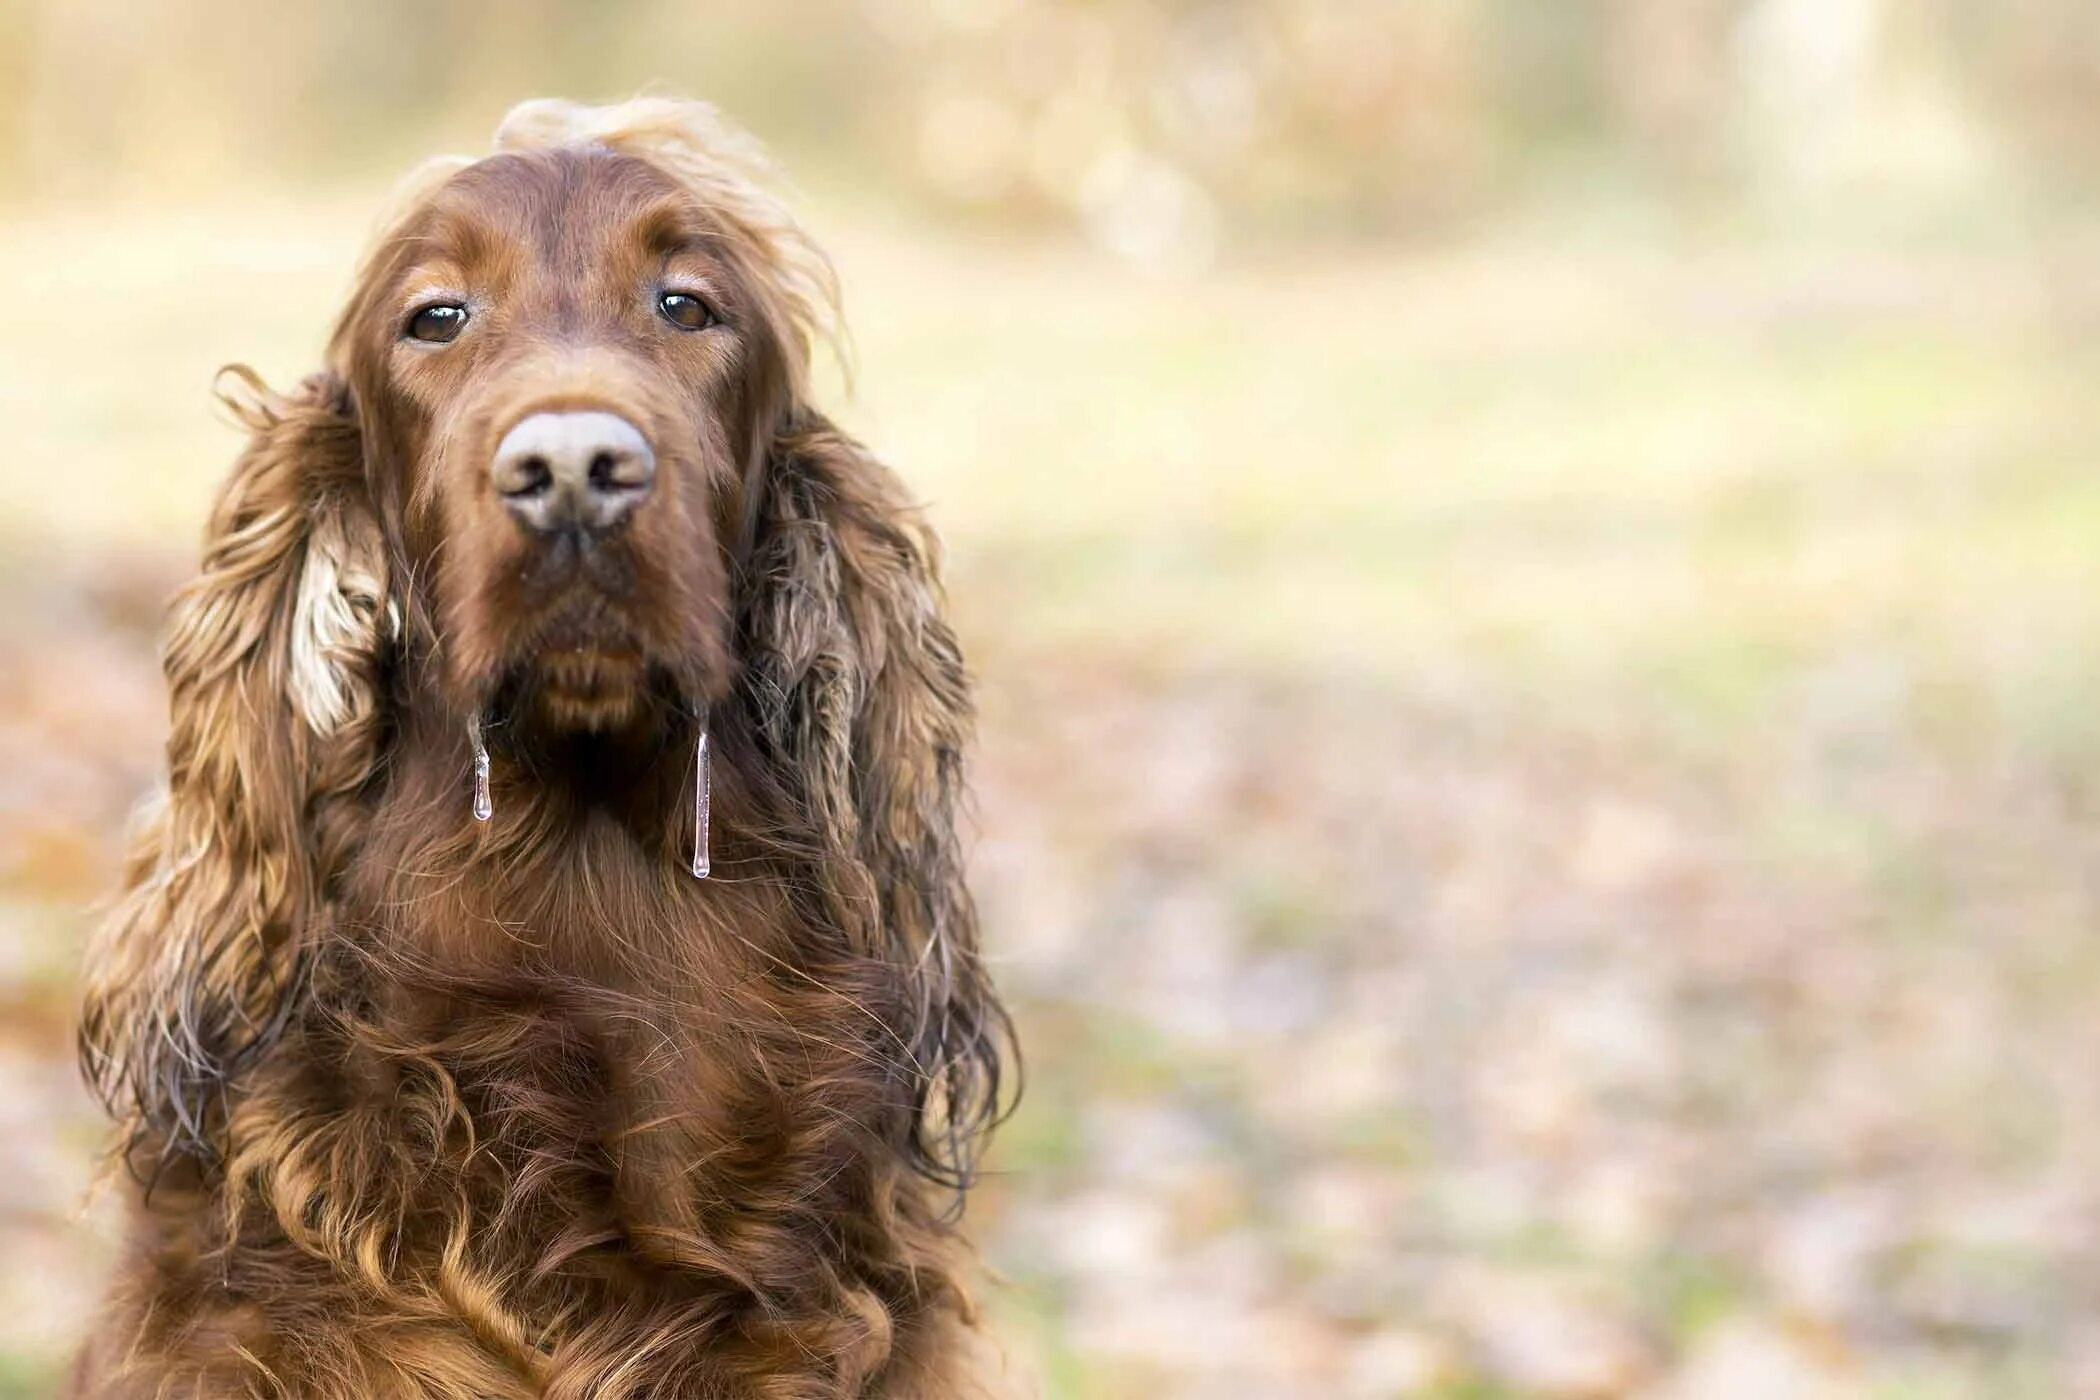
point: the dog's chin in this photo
(581, 664)
(587, 664)
(588, 689)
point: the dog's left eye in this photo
(685, 311)
(437, 323)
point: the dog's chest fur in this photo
(630, 1138)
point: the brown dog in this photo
(421, 1105)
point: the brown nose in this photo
(590, 470)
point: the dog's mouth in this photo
(588, 688)
(544, 702)
(591, 635)
(583, 665)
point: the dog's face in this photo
(565, 375)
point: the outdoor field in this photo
(1537, 804)
(1538, 785)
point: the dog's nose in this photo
(588, 469)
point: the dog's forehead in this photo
(558, 206)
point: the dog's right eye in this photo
(437, 323)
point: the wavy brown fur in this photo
(421, 1108)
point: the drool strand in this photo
(483, 808)
(702, 780)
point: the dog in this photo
(548, 970)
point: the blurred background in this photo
(1535, 571)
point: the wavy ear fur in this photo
(272, 659)
(862, 697)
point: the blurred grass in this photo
(1517, 774)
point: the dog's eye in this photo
(438, 322)
(685, 311)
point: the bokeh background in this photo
(1535, 569)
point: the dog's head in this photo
(561, 474)
(570, 364)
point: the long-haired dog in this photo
(417, 1104)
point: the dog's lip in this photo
(576, 608)
(605, 558)
(584, 687)
(556, 653)
(621, 653)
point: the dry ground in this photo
(1538, 800)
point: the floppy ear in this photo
(861, 696)
(272, 659)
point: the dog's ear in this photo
(860, 694)
(272, 660)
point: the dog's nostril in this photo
(527, 477)
(616, 471)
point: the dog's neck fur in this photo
(575, 875)
(680, 996)
(629, 1110)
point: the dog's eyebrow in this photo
(676, 225)
(437, 280)
(694, 254)
(459, 231)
